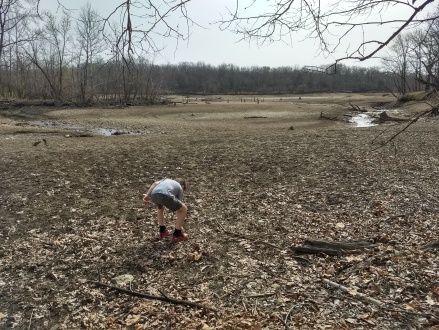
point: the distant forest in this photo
(229, 79)
(142, 81)
(56, 58)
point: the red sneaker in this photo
(180, 238)
(164, 234)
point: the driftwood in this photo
(334, 248)
(385, 117)
(254, 117)
(148, 296)
(357, 108)
(323, 116)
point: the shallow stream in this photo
(95, 130)
(364, 119)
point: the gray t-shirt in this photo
(170, 188)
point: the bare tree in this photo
(427, 50)
(415, 39)
(331, 23)
(334, 21)
(14, 17)
(90, 44)
(397, 62)
(10, 16)
(156, 17)
(49, 53)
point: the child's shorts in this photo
(171, 202)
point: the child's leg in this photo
(181, 216)
(161, 216)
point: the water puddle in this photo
(96, 130)
(376, 117)
(364, 119)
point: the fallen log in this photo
(343, 245)
(323, 116)
(334, 248)
(385, 117)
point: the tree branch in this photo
(152, 297)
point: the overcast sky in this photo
(210, 45)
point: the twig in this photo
(283, 322)
(254, 240)
(361, 296)
(262, 295)
(245, 307)
(30, 319)
(355, 107)
(288, 314)
(310, 249)
(163, 294)
(414, 120)
(301, 259)
(378, 303)
(152, 297)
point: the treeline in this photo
(139, 80)
(86, 60)
(230, 79)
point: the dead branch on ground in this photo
(356, 108)
(284, 323)
(411, 122)
(343, 245)
(431, 245)
(363, 297)
(314, 250)
(152, 297)
(262, 295)
(358, 295)
(252, 239)
(333, 248)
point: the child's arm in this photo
(148, 193)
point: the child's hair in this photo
(182, 183)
